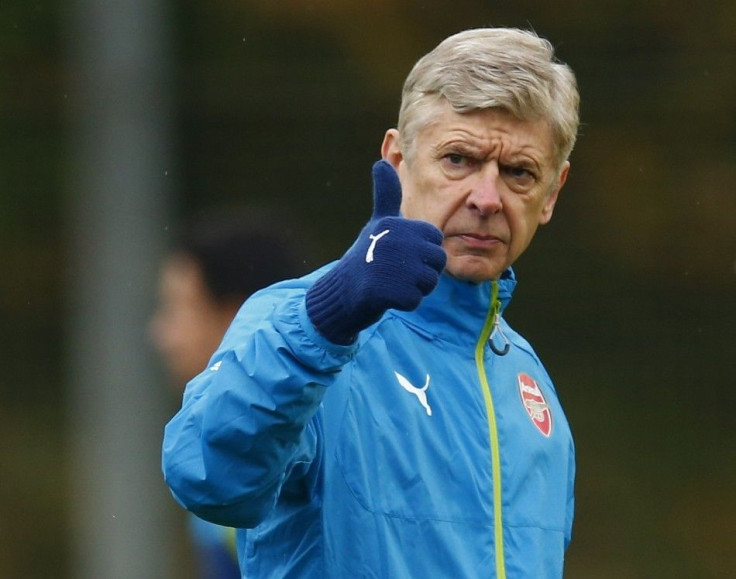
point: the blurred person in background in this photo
(379, 417)
(216, 264)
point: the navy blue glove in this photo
(394, 263)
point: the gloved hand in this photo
(393, 263)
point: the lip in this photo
(478, 241)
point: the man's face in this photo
(486, 179)
(188, 323)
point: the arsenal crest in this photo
(535, 404)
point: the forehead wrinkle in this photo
(481, 131)
(459, 139)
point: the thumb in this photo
(386, 190)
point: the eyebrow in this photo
(525, 161)
(514, 158)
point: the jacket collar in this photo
(456, 310)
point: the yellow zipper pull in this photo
(496, 325)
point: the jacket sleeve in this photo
(246, 423)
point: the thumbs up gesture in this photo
(393, 263)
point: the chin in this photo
(472, 270)
(470, 277)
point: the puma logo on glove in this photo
(394, 263)
(374, 239)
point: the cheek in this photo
(430, 201)
(165, 329)
(413, 194)
(523, 227)
(184, 330)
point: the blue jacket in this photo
(418, 451)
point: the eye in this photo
(519, 176)
(458, 161)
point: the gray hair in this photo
(502, 68)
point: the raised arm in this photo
(246, 425)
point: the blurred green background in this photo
(629, 294)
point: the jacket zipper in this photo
(489, 328)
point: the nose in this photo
(158, 330)
(485, 196)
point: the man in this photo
(218, 262)
(220, 259)
(379, 418)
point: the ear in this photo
(549, 203)
(391, 149)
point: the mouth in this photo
(478, 241)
